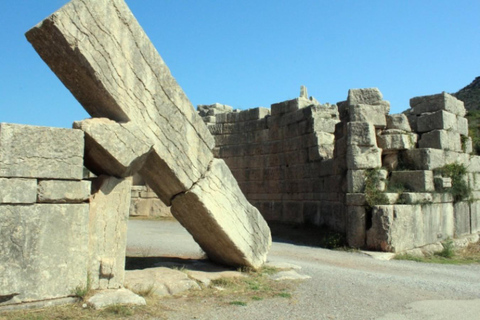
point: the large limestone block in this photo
(118, 149)
(44, 249)
(103, 56)
(107, 243)
(149, 207)
(440, 120)
(462, 126)
(15, 190)
(290, 105)
(462, 218)
(441, 139)
(475, 216)
(361, 133)
(417, 181)
(394, 142)
(364, 96)
(399, 122)
(61, 191)
(356, 226)
(424, 159)
(40, 152)
(374, 114)
(228, 228)
(363, 157)
(397, 228)
(437, 102)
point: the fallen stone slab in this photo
(159, 281)
(103, 56)
(207, 277)
(112, 297)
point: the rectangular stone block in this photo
(437, 102)
(321, 152)
(325, 125)
(424, 159)
(16, 190)
(107, 243)
(475, 216)
(363, 157)
(440, 120)
(61, 191)
(364, 96)
(417, 181)
(355, 199)
(374, 114)
(361, 134)
(392, 142)
(356, 181)
(290, 106)
(227, 227)
(417, 198)
(441, 139)
(356, 226)
(44, 249)
(462, 126)
(40, 152)
(462, 218)
(398, 122)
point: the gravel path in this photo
(343, 285)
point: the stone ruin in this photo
(63, 226)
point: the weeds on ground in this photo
(449, 255)
(83, 291)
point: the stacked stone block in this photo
(145, 202)
(282, 158)
(50, 240)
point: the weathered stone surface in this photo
(212, 109)
(356, 181)
(424, 159)
(161, 281)
(418, 181)
(228, 228)
(440, 120)
(61, 191)
(437, 102)
(119, 75)
(416, 197)
(107, 298)
(40, 152)
(15, 190)
(441, 139)
(363, 157)
(399, 122)
(206, 277)
(356, 226)
(116, 149)
(475, 216)
(364, 96)
(149, 207)
(442, 183)
(288, 275)
(361, 133)
(109, 210)
(462, 126)
(401, 227)
(390, 161)
(290, 105)
(392, 142)
(374, 114)
(43, 249)
(462, 218)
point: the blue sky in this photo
(254, 53)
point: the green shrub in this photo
(457, 172)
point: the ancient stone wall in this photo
(145, 202)
(55, 234)
(377, 178)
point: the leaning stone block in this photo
(440, 120)
(228, 228)
(61, 191)
(40, 152)
(437, 102)
(15, 190)
(363, 157)
(424, 159)
(361, 134)
(393, 142)
(107, 243)
(417, 181)
(364, 96)
(441, 139)
(399, 122)
(374, 114)
(44, 248)
(356, 226)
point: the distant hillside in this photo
(470, 95)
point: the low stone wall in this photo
(55, 235)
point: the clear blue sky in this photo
(254, 53)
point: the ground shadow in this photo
(306, 235)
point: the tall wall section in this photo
(283, 158)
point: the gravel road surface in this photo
(343, 285)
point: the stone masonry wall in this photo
(52, 235)
(353, 167)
